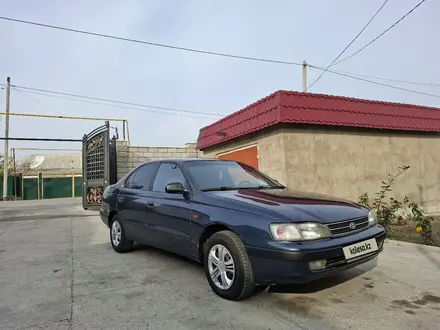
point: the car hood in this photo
(296, 206)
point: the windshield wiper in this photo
(263, 187)
(220, 188)
(276, 187)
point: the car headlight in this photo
(372, 218)
(299, 231)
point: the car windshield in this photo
(228, 175)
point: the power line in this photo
(377, 83)
(385, 79)
(380, 35)
(122, 106)
(257, 59)
(114, 101)
(32, 98)
(343, 51)
(117, 104)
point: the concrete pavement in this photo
(58, 271)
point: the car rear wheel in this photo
(119, 241)
(227, 266)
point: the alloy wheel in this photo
(221, 267)
(116, 233)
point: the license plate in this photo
(359, 249)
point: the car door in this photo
(133, 199)
(171, 212)
(125, 201)
(143, 212)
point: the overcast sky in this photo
(290, 30)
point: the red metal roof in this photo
(309, 108)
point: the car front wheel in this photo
(227, 266)
(119, 241)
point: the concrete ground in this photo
(58, 271)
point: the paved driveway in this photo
(58, 271)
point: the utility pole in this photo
(6, 154)
(304, 76)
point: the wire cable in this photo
(32, 98)
(343, 51)
(118, 105)
(380, 35)
(113, 101)
(257, 59)
(385, 79)
(377, 83)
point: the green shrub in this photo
(391, 211)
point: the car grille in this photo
(348, 226)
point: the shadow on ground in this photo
(303, 288)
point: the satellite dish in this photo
(37, 161)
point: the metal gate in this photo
(99, 165)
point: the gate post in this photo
(40, 186)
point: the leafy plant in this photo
(2, 162)
(389, 210)
(385, 209)
(424, 223)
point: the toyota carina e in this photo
(247, 229)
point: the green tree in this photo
(2, 162)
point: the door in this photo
(247, 155)
(171, 212)
(133, 201)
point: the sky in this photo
(288, 30)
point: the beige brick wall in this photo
(128, 157)
(347, 163)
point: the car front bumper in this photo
(288, 263)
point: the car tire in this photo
(119, 241)
(230, 280)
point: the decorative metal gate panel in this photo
(99, 165)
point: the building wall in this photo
(129, 157)
(347, 163)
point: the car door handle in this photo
(150, 205)
(121, 199)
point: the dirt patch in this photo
(407, 233)
(416, 303)
(428, 298)
(337, 300)
(404, 303)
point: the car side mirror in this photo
(175, 188)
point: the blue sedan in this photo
(247, 229)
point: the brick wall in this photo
(128, 157)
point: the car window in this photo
(141, 178)
(130, 179)
(145, 175)
(214, 175)
(167, 173)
